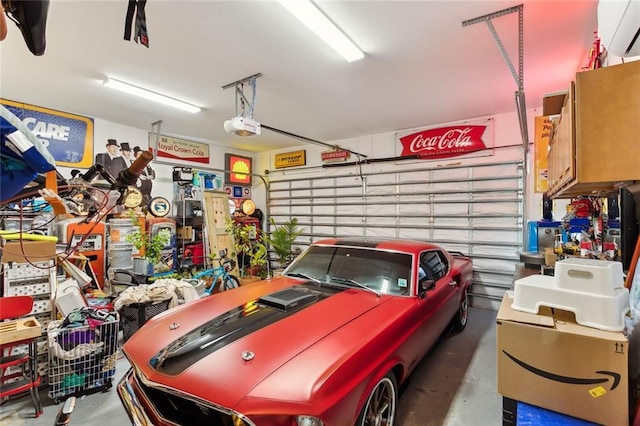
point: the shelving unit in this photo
(38, 281)
(188, 214)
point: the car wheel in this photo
(460, 320)
(380, 408)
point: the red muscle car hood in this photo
(222, 347)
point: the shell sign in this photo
(239, 169)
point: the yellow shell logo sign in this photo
(240, 170)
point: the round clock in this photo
(133, 198)
(159, 206)
(232, 207)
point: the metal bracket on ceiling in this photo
(244, 102)
(518, 76)
(155, 130)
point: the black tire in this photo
(380, 407)
(230, 282)
(462, 316)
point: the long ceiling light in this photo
(317, 22)
(152, 96)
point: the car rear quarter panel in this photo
(461, 266)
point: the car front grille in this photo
(184, 410)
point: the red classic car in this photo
(327, 343)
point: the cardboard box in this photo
(185, 232)
(34, 251)
(550, 361)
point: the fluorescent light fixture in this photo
(152, 96)
(317, 22)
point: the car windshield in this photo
(382, 271)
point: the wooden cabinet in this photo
(595, 144)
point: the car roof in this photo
(401, 245)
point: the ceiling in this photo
(421, 66)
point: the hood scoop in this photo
(288, 299)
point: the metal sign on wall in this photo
(541, 150)
(241, 168)
(68, 137)
(335, 155)
(448, 141)
(291, 159)
(179, 149)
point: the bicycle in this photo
(227, 281)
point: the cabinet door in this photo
(608, 124)
(567, 139)
(562, 146)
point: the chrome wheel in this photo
(463, 313)
(380, 408)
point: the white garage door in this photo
(476, 209)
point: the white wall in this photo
(506, 133)
(163, 184)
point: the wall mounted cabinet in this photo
(595, 145)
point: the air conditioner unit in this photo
(619, 26)
(242, 126)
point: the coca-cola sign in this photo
(444, 142)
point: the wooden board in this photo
(216, 213)
(20, 329)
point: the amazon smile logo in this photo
(567, 379)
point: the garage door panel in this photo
(475, 209)
(443, 208)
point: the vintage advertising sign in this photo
(179, 149)
(291, 159)
(240, 169)
(68, 137)
(448, 141)
(335, 155)
(541, 151)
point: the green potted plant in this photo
(249, 250)
(281, 239)
(151, 247)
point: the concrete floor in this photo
(454, 385)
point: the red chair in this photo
(24, 375)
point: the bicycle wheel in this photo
(230, 282)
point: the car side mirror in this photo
(424, 286)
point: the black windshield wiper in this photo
(354, 283)
(305, 276)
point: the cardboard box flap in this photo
(559, 319)
(544, 318)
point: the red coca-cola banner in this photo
(444, 142)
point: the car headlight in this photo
(309, 421)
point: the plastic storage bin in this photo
(134, 316)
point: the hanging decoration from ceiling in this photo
(31, 19)
(140, 35)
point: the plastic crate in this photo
(133, 316)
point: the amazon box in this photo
(550, 361)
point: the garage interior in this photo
(335, 153)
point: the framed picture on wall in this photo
(240, 169)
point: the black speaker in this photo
(613, 206)
(547, 207)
